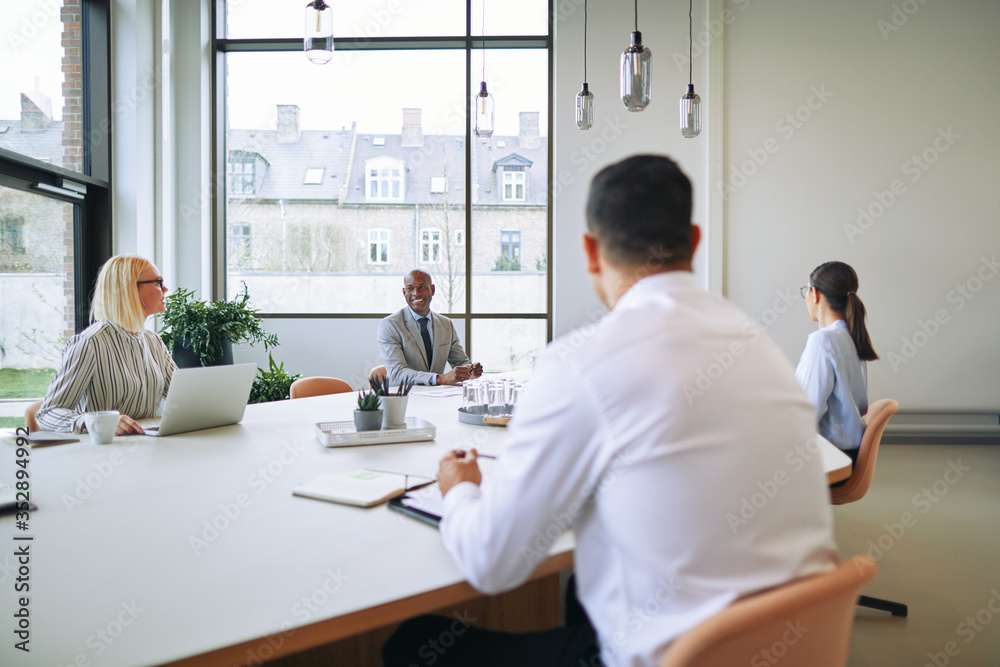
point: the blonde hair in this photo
(116, 294)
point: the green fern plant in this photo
(273, 384)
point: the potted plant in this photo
(393, 405)
(202, 334)
(273, 384)
(368, 416)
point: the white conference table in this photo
(192, 548)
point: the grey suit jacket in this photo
(402, 348)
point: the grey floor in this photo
(945, 564)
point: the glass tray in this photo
(344, 434)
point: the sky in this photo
(370, 88)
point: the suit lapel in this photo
(417, 340)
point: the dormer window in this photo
(512, 177)
(384, 179)
(241, 171)
(513, 183)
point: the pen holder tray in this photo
(344, 434)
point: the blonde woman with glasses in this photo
(115, 363)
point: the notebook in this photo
(203, 397)
(362, 488)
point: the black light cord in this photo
(637, 15)
(585, 41)
(483, 33)
(690, 42)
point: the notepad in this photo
(362, 488)
(38, 438)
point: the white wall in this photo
(618, 133)
(895, 94)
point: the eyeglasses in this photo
(805, 289)
(158, 282)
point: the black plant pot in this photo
(185, 358)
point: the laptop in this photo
(204, 397)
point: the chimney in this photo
(36, 112)
(288, 124)
(413, 133)
(527, 133)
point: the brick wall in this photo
(72, 140)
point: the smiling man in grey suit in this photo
(415, 343)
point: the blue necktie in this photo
(426, 335)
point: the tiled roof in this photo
(46, 146)
(285, 172)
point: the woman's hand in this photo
(127, 426)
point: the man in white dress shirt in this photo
(683, 496)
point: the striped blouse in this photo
(107, 368)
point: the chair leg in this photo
(894, 608)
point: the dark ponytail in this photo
(839, 284)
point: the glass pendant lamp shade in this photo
(318, 41)
(484, 113)
(635, 81)
(690, 113)
(585, 108)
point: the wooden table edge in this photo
(329, 630)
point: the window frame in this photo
(513, 244)
(518, 179)
(374, 239)
(92, 219)
(430, 246)
(471, 42)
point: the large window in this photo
(55, 222)
(397, 181)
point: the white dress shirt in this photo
(836, 381)
(107, 368)
(674, 440)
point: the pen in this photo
(460, 453)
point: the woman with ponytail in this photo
(832, 368)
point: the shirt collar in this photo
(658, 283)
(416, 318)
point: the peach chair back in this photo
(805, 622)
(856, 486)
(318, 386)
(29, 416)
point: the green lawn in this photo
(15, 383)
(11, 422)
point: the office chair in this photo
(29, 416)
(856, 486)
(377, 372)
(769, 626)
(318, 386)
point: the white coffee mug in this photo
(102, 425)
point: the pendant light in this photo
(690, 102)
(318, 41)
(635, 71)
(484, 101)
(585, 98)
